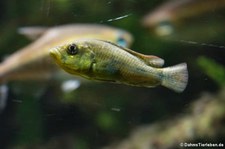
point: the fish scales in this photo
(124, 63)
(105, 61)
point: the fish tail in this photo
(175, 77)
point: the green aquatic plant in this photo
(203, 120)
(213, 69)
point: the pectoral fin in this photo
(32, 32)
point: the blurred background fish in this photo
(32, 62)
(171, 17)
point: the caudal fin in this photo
(175, 77)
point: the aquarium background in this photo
(103, 115)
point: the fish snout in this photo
(54, 52)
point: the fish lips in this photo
(54, 52)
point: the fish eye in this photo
(165, 23)
(72, 49)
(121, 42)
(164, 28)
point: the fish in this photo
(175, 12)
(33, 61)
(105, 61)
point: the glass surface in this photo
(74, 113)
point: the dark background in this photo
(97, 114)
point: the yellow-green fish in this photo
(101, 60)
(33, 61)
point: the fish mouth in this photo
(54, 53)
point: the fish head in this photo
(123, 38)
(101, 32)
(75, 58)
(118, 36)
(160, 23)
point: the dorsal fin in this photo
(150, 60)
(32, 32)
